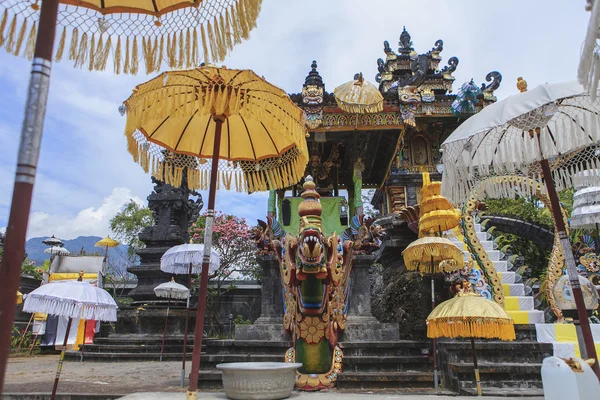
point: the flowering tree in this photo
(232, 239)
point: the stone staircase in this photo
(505, 367)
(517, 303)
(386, 365)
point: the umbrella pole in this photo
(587, 348)
(27, 159)
(61, 359)
(185, 331)
(475, 367)
(192, 393)
(162, 348)
(434, 342)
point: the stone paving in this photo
(136, 381)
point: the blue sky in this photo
(86, 174)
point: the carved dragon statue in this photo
(315, 272)
(365, 235)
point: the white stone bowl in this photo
(258, 380)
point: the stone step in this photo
(209, 379)
(141, 340)
(494, 351)
(500, 374)
(515, 303)
(512, 391)
(513, 289)
(507, 277)
(246, 347)
(122, 348)
(487, 245)
(74, 355)
(501, 266)
(392, 348)
(494, 255)
(386, 363)
(527, 317)
(384, 380)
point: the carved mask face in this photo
(311, 250)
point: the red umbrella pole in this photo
(185, 331)
(210, 216)
(61, 359)
(27, 159)
(588, 346)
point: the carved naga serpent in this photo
(557, 260)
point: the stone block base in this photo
(267, 329)
(361, 329)
(152, 321)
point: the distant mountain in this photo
(117, 256)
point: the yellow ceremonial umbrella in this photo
(439, 220)
(106, 243)
(469, 315)
(433, 254)
(359, 96)
(177, 32)
(251, 131)
(19, 297)
(433, 203)
(426, 254)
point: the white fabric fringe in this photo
(588, 72)
(72, 299)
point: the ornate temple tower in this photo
(173, 212)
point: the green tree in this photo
(232, 239)
(127, 225)
(531, 210)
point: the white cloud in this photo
(92, 221)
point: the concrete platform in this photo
(318, 395)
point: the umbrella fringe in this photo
(70, 308)
(468, 327)
(225, 30)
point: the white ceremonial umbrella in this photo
(53, 241)
(170, 290)
(177, 260)
(57, 251)
(187, 259)
(73, 300)
(550, 133)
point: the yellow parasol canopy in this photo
(107, 242)
(434, 203)
(172, 121)
(19, 297)
(359, 96)
(178, 32)
(425, 255)
(439, 221)
(470, 315)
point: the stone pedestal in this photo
(269, 326)
(173, 213)
(152, 321)
(362, 325)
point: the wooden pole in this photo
(162, 348)
(475, 367)
(192, 393)
(61, 359)
(435, 368)
(24, 333)
(185, 331)
(588, 345)
(27, 159)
